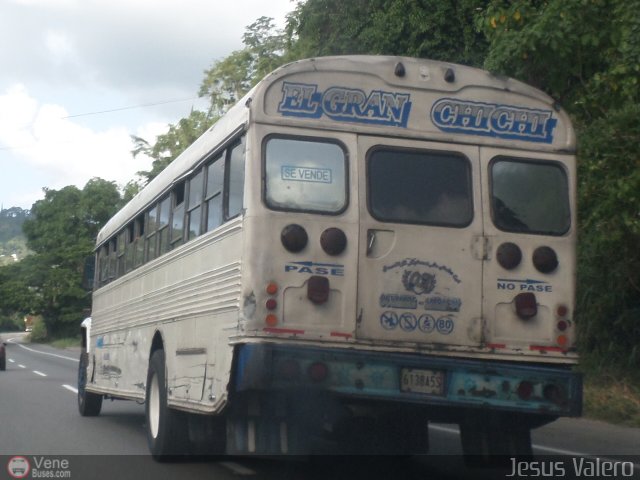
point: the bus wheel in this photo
(89, 404)
(166, 428)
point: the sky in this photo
(79, 77)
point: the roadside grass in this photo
(612, 396)
(66, 342)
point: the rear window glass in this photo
(413, 186)
(305, 175)
(530, 197)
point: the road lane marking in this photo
(42, 353)
(70, 388)
(21, 366)
(542, 448)
(237, 468)
(11, 360)
(40, 373)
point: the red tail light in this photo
(524, 391)
(318, 372)
(526, 305)
(318, 289)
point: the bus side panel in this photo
(190, 297)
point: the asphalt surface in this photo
(39, 421)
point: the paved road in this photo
(39, 420)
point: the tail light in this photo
(333, 241)
(545, 259)
(318, 289)
(525, 390)
(288, 369)
(318, 372)
(509, 255)
(526, 305)
(294, 238)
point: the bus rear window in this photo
(530, 197)
(414, 186)
(305, 175)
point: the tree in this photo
(224, 83)
(586, 53)
(61, 232)
(419, 28)
(171, 144)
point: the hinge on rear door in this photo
(480, 247)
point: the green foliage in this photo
(39, 332)
(609, 257)
(587, 54)
(169, 145)
(418, 28)
(231, 78)
(13, 245)
(61, 232)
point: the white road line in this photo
(21, 366)
(237, 468)
(11, 360)
(542, 448)
(70, 388)
(40, 373)
(42, 353)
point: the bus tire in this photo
(89, 404)
(167, 434)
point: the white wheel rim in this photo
(154, 406)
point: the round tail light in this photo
(333, 241)
(545, 259)
(525, 390)
(509, 255)
(294, 238)
(318, 372)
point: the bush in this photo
(39, 332)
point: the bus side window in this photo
(152, 225)
(194, 213)
(235, 176)
(129, 250)
(177, 218)
(103, 257)
(138, 240)
(122, 240)
(112, 259)
(213, 193)
(163, 225)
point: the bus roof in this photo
(379, 95)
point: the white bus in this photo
(361, 246)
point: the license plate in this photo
(430, 382)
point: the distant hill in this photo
(13, 244)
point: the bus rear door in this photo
(421, 244)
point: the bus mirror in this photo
(89, 272)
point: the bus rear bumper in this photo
(416, 379)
